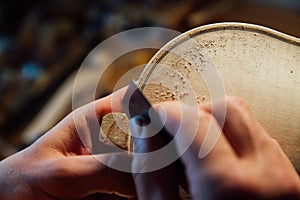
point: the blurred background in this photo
(43, 43)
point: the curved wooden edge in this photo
(245, 27)
(212, 28)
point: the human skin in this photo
(59, 166)
(245, 162)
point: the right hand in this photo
(245, 163)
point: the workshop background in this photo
(43, 43)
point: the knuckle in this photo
(236, 102)
(270, 143)
(203, 115)
(237, 179)
(271, 148)
(228, 180)
(274, 143)
(237, 107)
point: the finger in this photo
(78, 176)
(151, 183)
(188, 125)
(240, 127)
(101, 107)
(191, 127)
(97, 109)
(82, 126)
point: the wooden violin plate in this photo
(257, 64)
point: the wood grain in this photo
(258, 64)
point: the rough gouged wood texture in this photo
(114, 129)
(258, 64)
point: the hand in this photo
(59, 166)
(245, 162)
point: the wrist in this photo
(13, 180)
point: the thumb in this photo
(79, 176)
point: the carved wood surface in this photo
(258, 64)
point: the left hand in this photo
(59, 166)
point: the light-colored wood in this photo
(258, 64)
(115, 129)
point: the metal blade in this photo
(134, 102)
